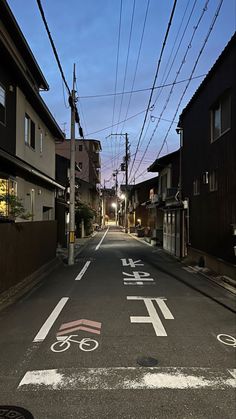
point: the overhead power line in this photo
(192, 72)
(137, 63)
(117, 66)
(53, 45)
(154, 82)
(183, 61)
(138, 90)
(71, 101)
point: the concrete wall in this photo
(43, 198)
(44, 161)
(24, 248)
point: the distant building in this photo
(85, 194)
(169, 203)
(87, 157)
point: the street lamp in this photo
(114, 205)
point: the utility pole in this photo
(126, 180)
(71, 248)
(116, 186)
(126, 175)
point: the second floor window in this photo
(29, 132)
(196, 187)
(220, 117)
(41, 142)
(80, 147)
(2, 105)
(163, 184)
(213, 181)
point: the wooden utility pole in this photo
(71, 248)
(126, 180)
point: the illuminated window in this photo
(8, 189)
(2, 105)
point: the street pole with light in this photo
(126, 160)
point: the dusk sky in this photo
(87, 33)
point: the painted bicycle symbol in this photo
(227, 339)
(63, 343)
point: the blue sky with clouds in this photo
(86, 33)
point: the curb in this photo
(227, 283)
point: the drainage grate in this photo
(147, 361)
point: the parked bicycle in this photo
(227, 339)
(63, 343)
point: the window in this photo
(29, 132)
(80, 165)
(32, 203)
(163, 183)
(196, 187)
(80, 147)
(41, 142)
(8, 190)
(47, 213)
(2, 105)
(220, 117)
(213, 181)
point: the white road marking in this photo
(153, 315)
(134, 282)
(82, 272)
(132, 263)
(140, 240)
(41, 335)
(138, 276)
(233, 373)
(164, 309)
(128, 378)
(103, 237)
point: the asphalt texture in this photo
(110, 381)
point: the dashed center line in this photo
(83, 270)
(43, 332)
(103, 237)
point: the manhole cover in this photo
(147, 361)
(14, 412)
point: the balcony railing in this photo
(171, 193)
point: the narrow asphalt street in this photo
(126, 332)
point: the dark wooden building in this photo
(209, 165)
(169, 202)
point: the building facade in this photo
(169, 201)
(209, 164)
(28, 133)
